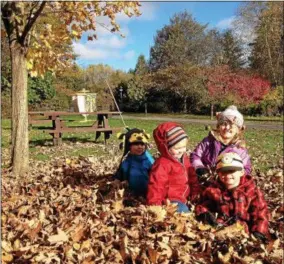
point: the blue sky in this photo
(122, 53)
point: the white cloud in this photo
(90, 52)
(226, 23)
(113, 42)
(87, 52)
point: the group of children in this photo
(230, 197)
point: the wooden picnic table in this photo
(58, 124)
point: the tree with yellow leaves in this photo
(34, 51)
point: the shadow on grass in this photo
(49, 142)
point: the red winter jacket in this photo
(169, 178)
(246, 203)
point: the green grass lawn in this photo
(207, 117)
(265, 147)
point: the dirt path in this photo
(249, 125)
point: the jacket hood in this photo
(160, 137)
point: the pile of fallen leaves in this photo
(71, 211)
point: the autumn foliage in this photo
(223, 83)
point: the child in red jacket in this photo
(172, 177)
(234, 197)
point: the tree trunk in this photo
(20, 136)
(270, 57)
(146, 111)
(212, 111)
(185, 104)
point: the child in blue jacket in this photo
(136, 162)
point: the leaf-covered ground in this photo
(69, 210)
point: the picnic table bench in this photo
(58, 119)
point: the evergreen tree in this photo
(232, 51)
(182, 40)
(141, 67)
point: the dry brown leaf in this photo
(88, 260)
(86, 245)
(47, 258)
(277, 253)
(41, 216)
(23, 210)
(226, 258)
(121, 193)
(117, 206)
(166, 249)
(76, 246)
(69, 252)
(17, 244)
(6, 245)
(171, 208)
(78, 234)
(3, 218)
(159, 212)
(274, 244)
(153, 254)
(33, 232)
(123, 247)
(188, 233)
(6, 257)
(204, 227)
(232, 231)
(60, 237)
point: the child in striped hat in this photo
(172, 176)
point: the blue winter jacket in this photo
(135, 169)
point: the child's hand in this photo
(203, 175)
(260, 237)
(208, 218)
(201, 171)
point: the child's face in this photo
(178, 149)
(137, 148)
(228, 130)
(231, 179)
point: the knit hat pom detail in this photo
(232, 114)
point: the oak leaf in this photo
(60, 237)
(159, 212)
(78, 233)
(153, 254)
(6, 257)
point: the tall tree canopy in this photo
(36, 50)
(226, 85)
(184, 81)
(263, 22)
(268, 47)
(141, 67)
(182, 40)
(232, 51)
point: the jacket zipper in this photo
(186, 179)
